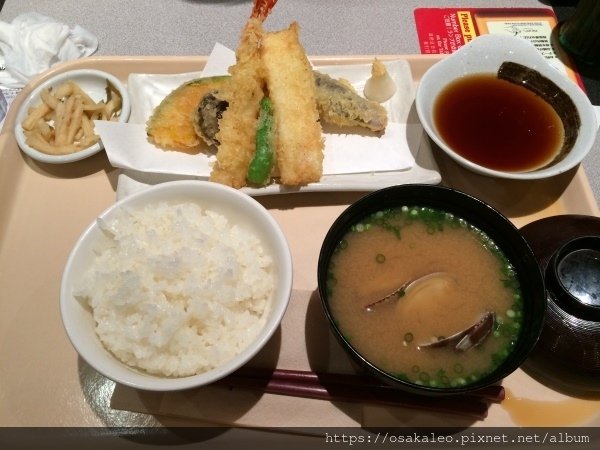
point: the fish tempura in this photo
(291, 88)
(340, 105)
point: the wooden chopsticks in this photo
(359, 388)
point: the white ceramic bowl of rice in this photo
(176, 286)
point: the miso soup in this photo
(389, 248)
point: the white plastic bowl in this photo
(238, 208)
(485, 54)
(93, 82)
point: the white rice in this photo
(177, 290)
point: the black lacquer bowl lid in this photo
(568, 351)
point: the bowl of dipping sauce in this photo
(499, 108)
(431, 289)
(176, 286)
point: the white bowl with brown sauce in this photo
(431, 289)
(499, 108)
(39, 139)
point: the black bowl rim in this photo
(430, 193)
(567, 301)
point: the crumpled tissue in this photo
(33, 43)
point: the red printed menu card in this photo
(445, 30)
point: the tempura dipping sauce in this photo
(498, 124)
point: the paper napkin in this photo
(33, 43)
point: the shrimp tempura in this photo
(237, 128)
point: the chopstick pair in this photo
(358, 388)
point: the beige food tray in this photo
(44, 208)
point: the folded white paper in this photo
(356, 153)
(128, 148)
(33, 43)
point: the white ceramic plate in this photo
(238, 208)
(485, 54)
(147, 90)
(93, 82)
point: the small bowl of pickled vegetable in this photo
(55, 123)
(431, 289)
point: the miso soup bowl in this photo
(485, 55)
(479, 214)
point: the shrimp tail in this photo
(262, 8)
